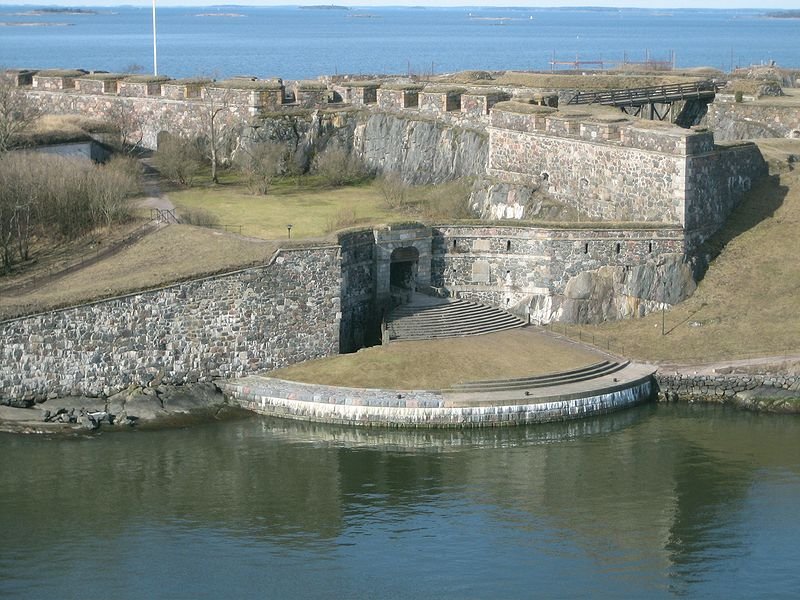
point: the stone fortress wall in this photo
(606, 167)
(224, 326)
(545, 274)
(665, 189)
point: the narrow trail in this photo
(151, 185)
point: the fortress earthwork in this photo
(642, 196)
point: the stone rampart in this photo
(715, 183)
(547, 274)
(224, 326)
(145, 117)
(624, 170)
(749, 120)
(360, 322)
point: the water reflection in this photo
(657, 500)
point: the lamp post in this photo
(289, 230)
(155, 57)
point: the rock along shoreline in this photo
(161, 407)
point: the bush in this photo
(337, 167)
(393, 191)
(448, 200)
(346, 217)
(45, 195)
(178, 159)
(199, 217)
(261, 164)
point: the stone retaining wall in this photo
(414, 408)
(224, 326)
(529, 271)
(720, 388)
(748, 120)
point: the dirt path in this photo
(151, 184)
(733, 366)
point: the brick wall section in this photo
(224, 326)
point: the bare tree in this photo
(261, 163)
(128, 123)
(216, 103)
(178, 159)
(17, 112)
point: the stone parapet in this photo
(140, 89)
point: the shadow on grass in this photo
(759, 204)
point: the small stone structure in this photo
(399, 96)
(440, 100)
(357, 93)
(388, 242)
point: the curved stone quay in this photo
(594, 390)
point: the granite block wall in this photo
(602, 181)
(360, 322)
(533, 272)
(223, 326)
(715, 183)
(748, 120)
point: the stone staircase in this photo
(427, 318)
(607, 377)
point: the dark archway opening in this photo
(403, 273)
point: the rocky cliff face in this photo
(610, 293)
(420, 151)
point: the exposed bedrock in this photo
(497, 200)
(618, 292)
(420, 151)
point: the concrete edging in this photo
(418, 408)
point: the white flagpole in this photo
(155, 59)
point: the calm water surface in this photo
(653, 502)
(293, 43)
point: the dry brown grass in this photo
(171, 254)
(591, 82)
(437, 364)
(747, 304)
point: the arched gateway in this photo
(402, 261)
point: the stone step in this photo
(454, 318)
(542, 381)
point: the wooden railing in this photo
(647, 95)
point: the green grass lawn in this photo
(313, 211)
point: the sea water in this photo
(296, 43)
(651, 502)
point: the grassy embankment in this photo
(747, 304)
